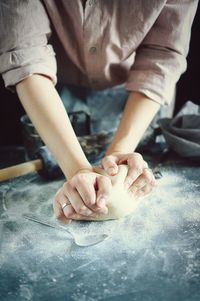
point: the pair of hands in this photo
(86, 193)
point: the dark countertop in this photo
(154, 254)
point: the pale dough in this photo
(120, 203)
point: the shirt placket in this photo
(92, 42)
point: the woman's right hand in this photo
(82, 197)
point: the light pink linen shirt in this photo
(99, 43)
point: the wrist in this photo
(71, 171)
(84, 170)
(137, 115)
(125, 145)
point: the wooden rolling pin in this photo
(20, 169)
(45, 165)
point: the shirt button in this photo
(92, 2)
(93, 49)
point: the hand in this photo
(82, 197)
(139, 180)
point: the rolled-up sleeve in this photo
(24, 48)
(161, 58)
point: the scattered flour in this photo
(156, 237)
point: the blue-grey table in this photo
(153, 254)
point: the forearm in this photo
(138, 113)
(45, 109)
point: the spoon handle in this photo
(38, 220)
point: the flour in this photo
(157, 213)
(156, 237)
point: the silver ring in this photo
(65, 205)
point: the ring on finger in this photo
(65, 205)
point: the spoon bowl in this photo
(88, 240)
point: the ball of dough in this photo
(120, 202)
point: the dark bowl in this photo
(183, 147)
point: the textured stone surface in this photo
(154, 254)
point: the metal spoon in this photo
(80, 240)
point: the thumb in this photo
(109, 165)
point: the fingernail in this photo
(111, 171)
(101, 202)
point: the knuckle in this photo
(65, 186)
(107, 159)
(56, 200)
(138, 169)
(145, 164)
(79, 177)
(89, 201)
(69, 214)
(147, 176)
(135, 165)
(153, 182)
(137, 156)
(81, 209)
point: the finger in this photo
(104, 190)
(80, 217)
(69, 212)
(109, 165)
(76, 200)
(135, 168)
(153, 181)
(149, 176)
(58, 211)
(146, 179)
(85, 185)
(137, 194)
(141, 194)
(146, 190)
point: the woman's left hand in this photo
(139, 180)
